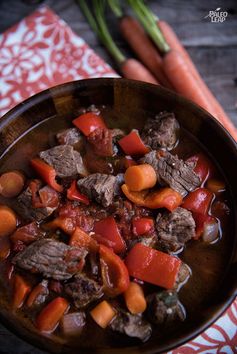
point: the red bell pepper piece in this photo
(108, 229)
(114, 272)
(20, 291)
(162, 198)
(203, 166)
(49, 317)
(74, 194)
(141, 226)
(198, 201)
(47, 173)
(132, 144)
(152, 266)
(128, 161)
(88, 122)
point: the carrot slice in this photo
(50, 316)
(134, 298)
(11, 183)
(8, 221)
(20, 291)
(140, 177)
(103, 314)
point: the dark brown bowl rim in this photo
(95, 82)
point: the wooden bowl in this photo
(131, 99)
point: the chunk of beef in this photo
(65, 160)
(173, 171)
(131, 325)
(73, 323)
(175, 229)
(161, 131)
(119, 182)
(99, 187)
(83, 290)
(101, 142)
(51, 258)
(24, 208)
(164, 307)
(183, 276)
(27, 233)
(71, 136)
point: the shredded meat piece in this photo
(175, 229)
(51, 258)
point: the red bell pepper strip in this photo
(162, 198)
(152, 266)
(114, 272)
(47, 173)
(198, 201)
(132, 144)
(88, 122)
(50, 316)
(108, 229)
(20, 291)
(203, 166)
(141, 226)
(74, 194)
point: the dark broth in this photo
(207, 261)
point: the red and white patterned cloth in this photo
(42, 51)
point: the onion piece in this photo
(210, 231)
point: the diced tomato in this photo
(152, 266)
(132, 144)
(74, 194)
(27, 233)
(88, 122)
(198, 201)
(50, 316)
(203, 167)
(114, 272)
(108, 229)
(80, 238)
(141, 226)
(101, 141)
(47, 173)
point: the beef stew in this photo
(84, 249)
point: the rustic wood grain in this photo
(212, 46)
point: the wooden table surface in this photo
(212, 46)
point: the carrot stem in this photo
(100, 28)
(149, 22)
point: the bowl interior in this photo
(131, 100)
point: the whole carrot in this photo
(175, 44)
(183, 76)
(140, 43)
(133, 69)
(130, 68)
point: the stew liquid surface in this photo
(122, 229)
